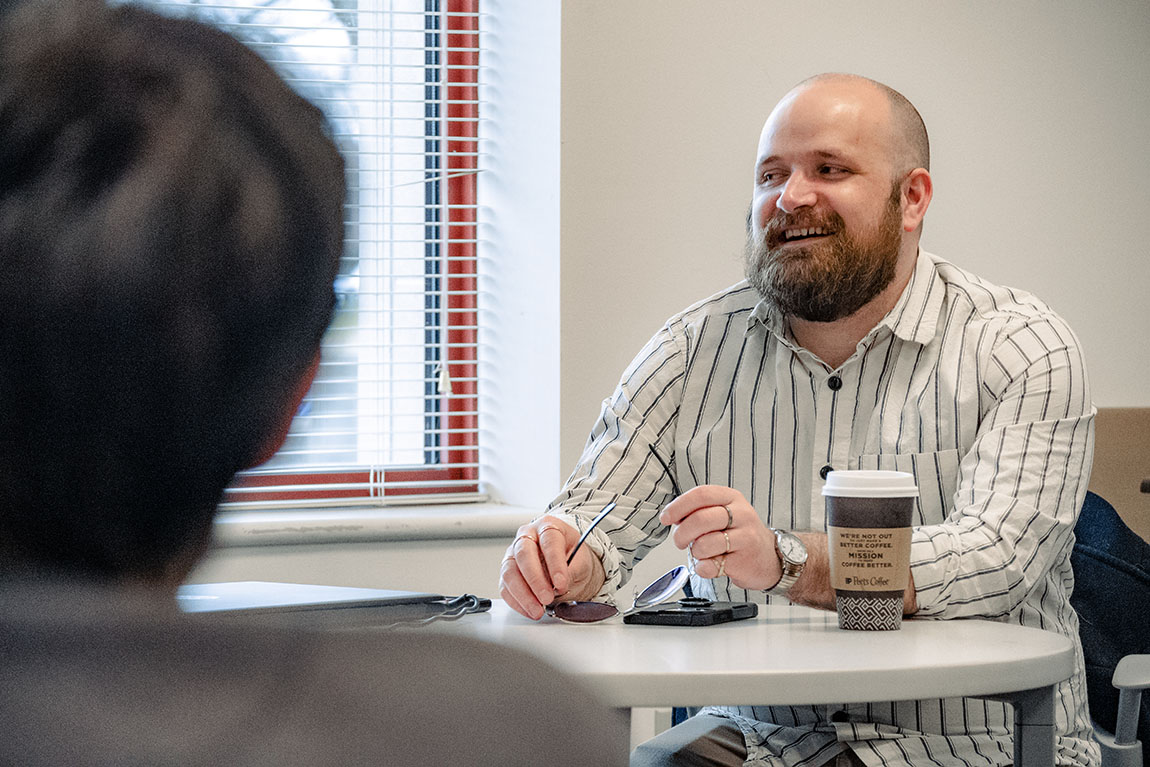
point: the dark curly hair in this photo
(170, 228)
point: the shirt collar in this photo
(914, 316)
(766, 314)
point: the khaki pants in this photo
(706, 741)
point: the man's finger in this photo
(711, 544)
(696, 498)
(700, 522)
(710, 567)
(515, 591)
(555, 539)
(513, 603)
(530, 561)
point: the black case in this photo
(694, 611)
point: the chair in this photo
(1112, 597)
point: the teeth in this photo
(805, 232)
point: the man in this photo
(170, 228)
(846, 348)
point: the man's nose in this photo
(798, 192)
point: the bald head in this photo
(909, 140)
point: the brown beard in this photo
(832, 277)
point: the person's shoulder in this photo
(457, 700)
(738, 299)
(124, 678)
(1005, 322)
(990, 301)
(130, 683)
(683, 330)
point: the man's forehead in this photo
(833, 118)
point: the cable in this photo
(454, 608)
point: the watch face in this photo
(792, 548)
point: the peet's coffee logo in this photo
(874, 580)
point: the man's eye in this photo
(768, 177)
(831, 170)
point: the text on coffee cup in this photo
(869, 559)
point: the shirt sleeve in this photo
(1020, 485)
(617, 463)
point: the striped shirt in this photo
(979, 391)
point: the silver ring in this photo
(728, 539)
(730, 518)
(722, 566)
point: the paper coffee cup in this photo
(868, 539)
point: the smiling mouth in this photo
(803, 233)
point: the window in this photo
(393, 415)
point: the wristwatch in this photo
(793, 556)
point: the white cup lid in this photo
(870, 484)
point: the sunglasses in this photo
(659, 591)
(691, 561)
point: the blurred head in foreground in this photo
(170, 228)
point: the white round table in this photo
(796, 655)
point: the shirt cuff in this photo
(932, 571)
(600, 545)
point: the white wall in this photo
(519, 243)
(1038, 113)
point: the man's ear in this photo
(277, 436)
(917, 191)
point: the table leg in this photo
(1033, 726)
(626, 717)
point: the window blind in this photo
(393, 415)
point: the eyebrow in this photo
(822, 154)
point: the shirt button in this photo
(835, 383)
(840, 716)
(824, 471)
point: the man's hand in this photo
(535, 572)
(723, 533)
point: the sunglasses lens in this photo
(583, 612)
(672, 580)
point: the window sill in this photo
(400, 523)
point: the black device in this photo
(693, 611)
